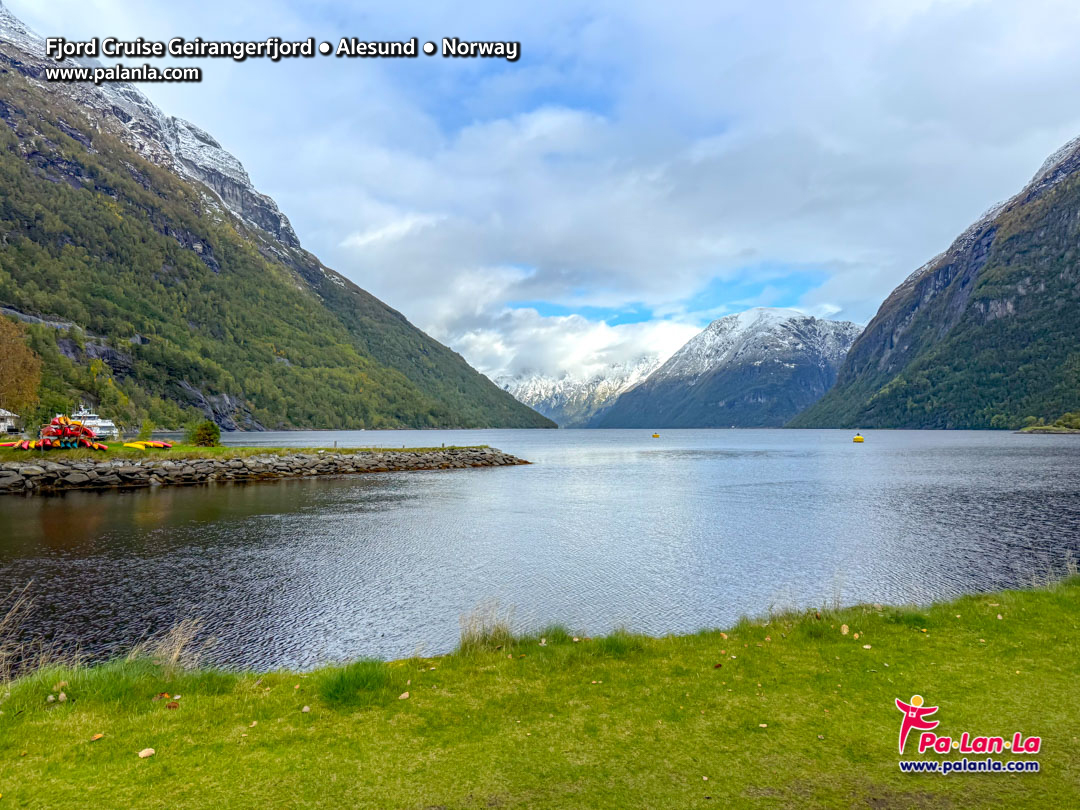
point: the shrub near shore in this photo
(798, 713)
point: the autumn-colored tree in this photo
(20, 368)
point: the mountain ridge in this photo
(981, 336)
(168, 141)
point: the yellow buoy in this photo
(656, 435)
(858, 438)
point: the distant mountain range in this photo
(156, 282)
(986, 335)
(754, 369)
(758, 368)
(573, 401)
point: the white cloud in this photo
(407, 225)
(521, 341)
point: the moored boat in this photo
(103, 428)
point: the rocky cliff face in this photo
(573, 400)
(755, 369)
(170, 142)
(983, 335)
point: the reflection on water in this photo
(607, 528)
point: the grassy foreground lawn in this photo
(799, 715)
(184, 451)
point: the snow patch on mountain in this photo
(170, 142)
(1059, 166)
(571, 400)
(754, 336)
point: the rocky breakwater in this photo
(43, 475)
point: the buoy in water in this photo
(858, 438)
(656, 435)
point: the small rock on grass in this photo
(403, 696)
(146, 752)
(306, 709)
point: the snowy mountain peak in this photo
(170, 142)
(757, 368)
(757, 334)
(571, 400)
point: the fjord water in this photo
(607, 528)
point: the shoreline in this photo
(1049, 430)
(44, 475)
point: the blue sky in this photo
(642, 169)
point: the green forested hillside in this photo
(145, 298)
(987, 337)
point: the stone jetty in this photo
(44, 475)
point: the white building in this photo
(9, 422)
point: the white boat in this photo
(103, 428)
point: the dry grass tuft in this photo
(486, 627)
(17, 656)
(176, 649)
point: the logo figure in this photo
(915, 715)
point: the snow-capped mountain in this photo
(754, 369)
(571, 401)
(170, 142)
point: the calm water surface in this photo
(606, 528)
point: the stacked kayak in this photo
(64, 433)
(61, 433)
(57, 443)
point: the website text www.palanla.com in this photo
(123, 73)
(965, 765)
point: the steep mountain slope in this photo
(571, 401)
(986, 335)
(156, 281)
(755, 369)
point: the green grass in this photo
(183, 451)
(798, 715)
